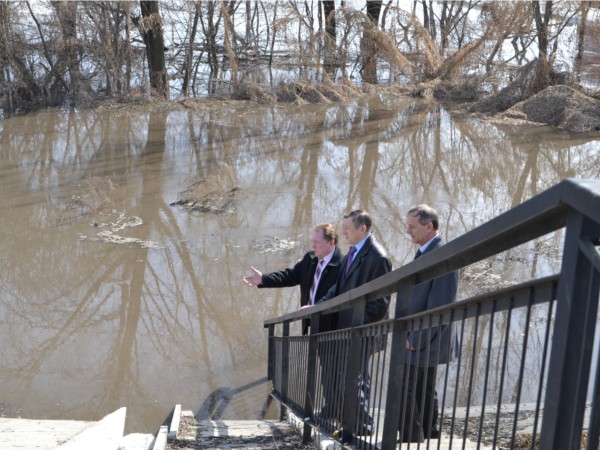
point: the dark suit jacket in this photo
(369, 263)
(302, 273)
(432, 294)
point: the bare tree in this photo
(151, 28)
(189, 60)
(69, 55)
(368, 46)
(542, 19)
(19, 86)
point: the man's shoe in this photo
(406, 439)
(415, 437)
(365, 430)
(324, 414)
(434, 434)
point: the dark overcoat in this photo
(302, 274)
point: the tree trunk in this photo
(330, 56)
(581, 29)
(190, 55)
(152, 32)
(368, 45)
(373, 10)
(425, 16)
(541, 24)
(329, 12)
(67, 17)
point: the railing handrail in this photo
(540, 215)
(481, 299)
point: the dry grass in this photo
(215, 194)
(429, 49)
(387, 50)
(96, 193)
(300, 92)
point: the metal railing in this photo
(526, 356)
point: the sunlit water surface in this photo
(110, 296)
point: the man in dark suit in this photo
(365, 261)
(316, 272)
(426, 348)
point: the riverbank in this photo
(570, 107)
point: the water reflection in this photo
(90, 325)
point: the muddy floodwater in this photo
(125, 235)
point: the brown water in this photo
(111, 297)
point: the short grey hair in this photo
(360, 217)
(426, 214)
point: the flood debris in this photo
(257, 434)
(560, 106)
(94, 194)
(298, 92)
(541, 95)
(116, 222)
(220, 201)
(217, 193)
(273, 244)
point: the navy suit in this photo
(425, 296)
(428, 349)
(369, 263)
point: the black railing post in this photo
(573, 339)
(393, 405)
(353, 366)
(271, 353)
(285, 364)
(311, 382)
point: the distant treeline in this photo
(72, 52)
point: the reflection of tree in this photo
(309, 167)
(493, 349)
(113, 318)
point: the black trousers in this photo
(419, 414)
(333, 377)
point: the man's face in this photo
(419, 234)
(351, 234)
(320, 245)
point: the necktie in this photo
(350, 258)
(315, 284)
(419, 253)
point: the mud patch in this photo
(117, 222)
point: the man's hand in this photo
(305, 306)
(255, 279)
